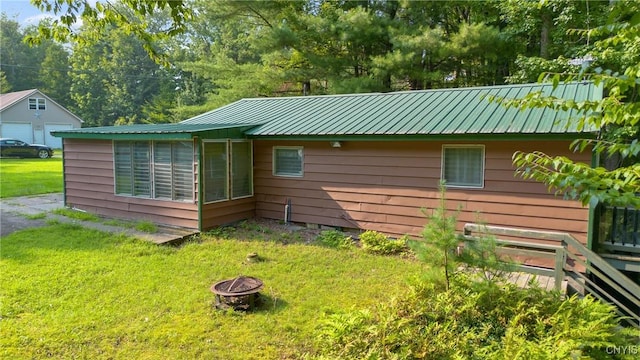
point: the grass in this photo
(22, 177)
(140, 225)
(70, 292)
(77, 215)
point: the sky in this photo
(21, 11)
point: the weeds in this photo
(38, 216)
(335, 239)
(77, 215)
(146, 226)
(378, 243)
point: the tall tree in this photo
(44, 67)
(20, 63)
(113, 79)
(133, 17)
(617, 115)
(544, 34)
(54, 77)
(5, 87)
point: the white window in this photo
(288, 161)
(158, 170)
(228, 170)
(37, 104)
(463, 165)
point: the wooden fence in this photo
(585, 271)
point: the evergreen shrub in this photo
(476, 320)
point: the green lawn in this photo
(69, 292)
(21, 177)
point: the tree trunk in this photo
(545, 33)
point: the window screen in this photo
(241, 169)
(216, 184)
(463, 166)
(287, 161)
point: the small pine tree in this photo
(481, 257)
(440, 238)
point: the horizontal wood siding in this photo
(89, 186)
(226, 212)
(384, 186)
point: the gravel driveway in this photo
(14, 211)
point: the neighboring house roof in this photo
(8, 100)
(425, 113)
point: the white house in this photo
(30, 116)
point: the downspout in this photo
(287, 212)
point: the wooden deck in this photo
(526, 280)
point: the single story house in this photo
(366, 161)
(31, 116)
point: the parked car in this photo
(17, 148)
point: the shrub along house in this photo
(367, 161)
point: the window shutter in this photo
(183, 170)
(123, 168)
(141, 169)
(162, 182)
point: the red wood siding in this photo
(226, 212)
(384, 185)
(89, 186)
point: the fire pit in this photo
(240, 293)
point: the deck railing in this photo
(584, 270)
(618, 228)
(553, 254)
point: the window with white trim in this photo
(288, 161)
(463, 165)
(37, 104)
(154, 169)
(228, 170)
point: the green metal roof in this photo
(155, 131)
(459, 112)
(448, 112)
